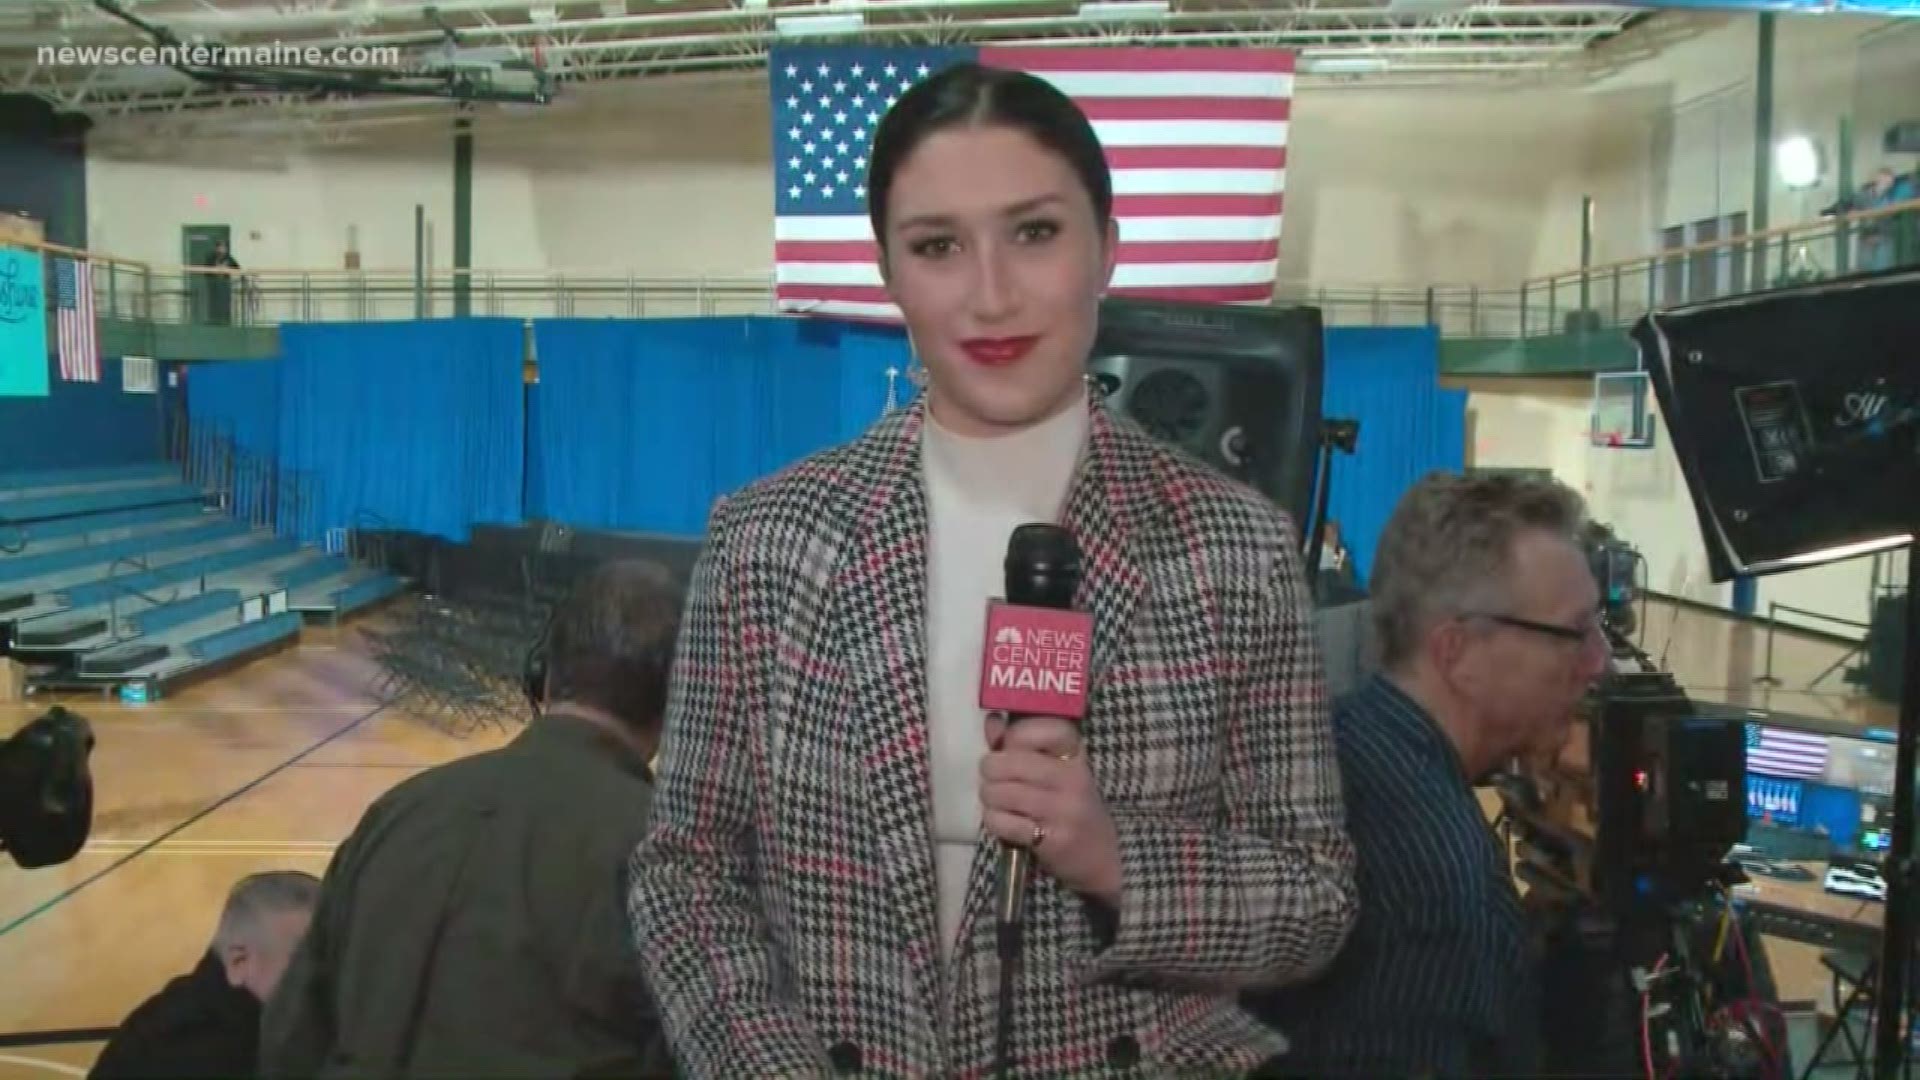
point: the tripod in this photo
(1896, 945)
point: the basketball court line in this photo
(175, 709)
(149, 845)
(109, 846)
(365, 765)
(249, 710)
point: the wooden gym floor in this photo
(269, 767)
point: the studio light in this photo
(1796, 161)
(1795, 414)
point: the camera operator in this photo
(1880, 238)
(1488, 628)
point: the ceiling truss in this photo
(584, 44)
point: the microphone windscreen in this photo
(1043, 566)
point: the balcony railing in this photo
(175, 295)
(1618, 294)
(1610, 295)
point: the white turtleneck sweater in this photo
(978, 490)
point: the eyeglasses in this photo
(1564, 633)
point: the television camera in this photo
(46, 790)
(1622, 837)
(1613, 563)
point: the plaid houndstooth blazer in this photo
(784, 901)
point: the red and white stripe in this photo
(79, 343)
(1197, 141)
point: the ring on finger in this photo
(1039, 835)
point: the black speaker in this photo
(1236, 387)
(1795, 415)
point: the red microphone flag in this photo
(1035, 660)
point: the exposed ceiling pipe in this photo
(346, 15)
(1277, 36)
(1283, 34)
(163, 135)
(134, 81)
(876, 11)
(1457, 43)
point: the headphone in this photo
(533, 671)
(554, 540)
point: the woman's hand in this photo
(1037, 792)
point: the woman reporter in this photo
(816, 893)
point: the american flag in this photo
(73, 317)
(1196, 139)
(1781, 752)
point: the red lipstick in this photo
(996, 352)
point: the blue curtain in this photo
(535, 494)
(409, 425)
(641, 424)
(240, 399)
(1388, 378)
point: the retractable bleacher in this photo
(126, 579)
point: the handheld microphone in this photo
(1035, 658)
(1034, 664)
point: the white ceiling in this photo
(1481, 43)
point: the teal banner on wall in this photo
(23, 324)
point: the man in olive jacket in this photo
(472, 924)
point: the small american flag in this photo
(1781, 752)
(1196, 139)
(79, 342)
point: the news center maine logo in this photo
(1035, 660)
(19, 288)
(1039, 658)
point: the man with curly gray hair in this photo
(1487, 621)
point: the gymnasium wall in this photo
(1543, 423)
(43, 170)
(1383, 187)
(1693, 148)
(1694, 154)
(78, 425)
(1680, 150)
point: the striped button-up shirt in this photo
(1437, 976)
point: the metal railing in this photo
(270, 297)
(1618, 294)
(252, 488)
(1606, 296)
